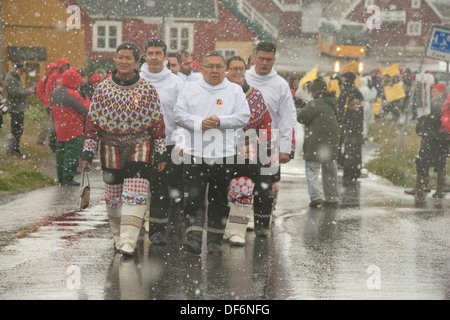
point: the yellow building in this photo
(37, 32)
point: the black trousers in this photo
(432, 153)
(209, 180)
(17, 122)
(166, 188)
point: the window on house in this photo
(415, 4)
(414, 28)
(227, 53)
(180, 37)
(107, 35)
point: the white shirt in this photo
(192, 77)
(169, 87)
(200, 100)
(278, 98)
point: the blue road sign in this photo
(439, 44)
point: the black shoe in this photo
(411, 192)
(316, 204)
(16, 154)
(331, 204)
(70, 183)
(192, 246)
(157, 238)
(214, 247)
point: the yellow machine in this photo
(346, 40)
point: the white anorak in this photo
(169, 87)
(278, 98)
(194, 76)
(200, 100)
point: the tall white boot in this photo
(240, 198)
(114, 215)
(251, 221)
(147, 221)
(130, 226)
(236, 227)
(147, 213)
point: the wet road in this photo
(379, 245)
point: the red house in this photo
(404, 23)
(198, 26)
(282, 17)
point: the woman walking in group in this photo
(125, 116)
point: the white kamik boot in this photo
(147, 213)
(130, 226)
(236, 227)
(114, 215)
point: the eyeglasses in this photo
(234, 69)
(211, 67)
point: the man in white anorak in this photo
(187, 67)
(210, 110)
(166, 186)
(278, 98)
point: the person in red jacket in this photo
(40, 92)
(54, 81)
(69, 110)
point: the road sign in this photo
(439, 43)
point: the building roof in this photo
(339, 9)
(442, 8)
(120, 9)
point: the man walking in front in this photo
(209, 110)
(278, 98)
(166, 186)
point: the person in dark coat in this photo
(434, 145)
(321, 143)
(16, 96)
(351, 121)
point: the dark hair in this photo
(235, 58)
(183, 53)
(141, 61)
(318, 85)
(213, 54)
(175, 55)
(129, 46)
(155, 42)
(266, 47)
